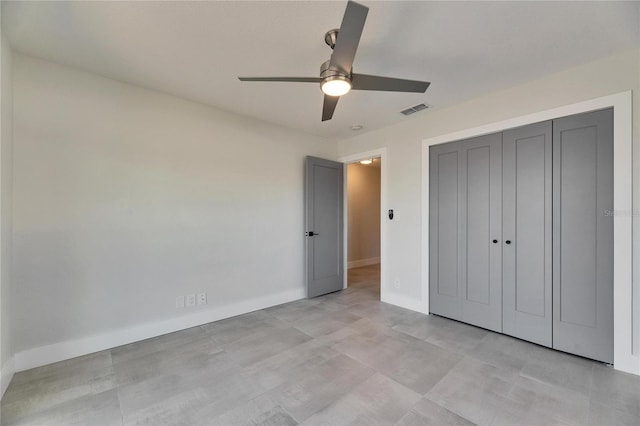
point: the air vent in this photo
(414, 109)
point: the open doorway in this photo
(363, 225)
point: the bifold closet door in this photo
(527, 216)
(465, 217)
(583, 235)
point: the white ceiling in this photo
(197, 49)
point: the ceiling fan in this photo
(336, 75)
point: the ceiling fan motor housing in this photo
(335, 82)
(328, 72)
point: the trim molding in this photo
(626, 335)
(363, 262)
(6, 375)
(48, 354)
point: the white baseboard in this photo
(405, 302)
(6, 374)
(363, 262)
(61, 351)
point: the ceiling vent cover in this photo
(414, 109)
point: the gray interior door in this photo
(465, 217)
(583, 235)
(527, 245)
(324, 225)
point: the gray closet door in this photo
(444, 196)
(465, 216)
(527, 250)
(583, 235)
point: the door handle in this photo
(495, 241)
(311, 234)
(508, 241)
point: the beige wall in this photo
(363, 199)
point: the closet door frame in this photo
(626, 307)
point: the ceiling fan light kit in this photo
(336, 74)
(337, 85)
(334, 82)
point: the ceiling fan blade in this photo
(283, 79)
(329, 106)
(388, 84)
(349, 36)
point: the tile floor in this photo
(345, 358)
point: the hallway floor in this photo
(344, 358)
(366, 278)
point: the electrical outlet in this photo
(191, 300)
(202, 298)
(180, 302)
(396, 283)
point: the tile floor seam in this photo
(591, 381)
(443, 377)
(444, 407)
(328, 404)
(120, 404)
(117, 388)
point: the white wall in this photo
(125, 198)
(6, 144)
(606, 76)
(403, 141)
(363, 199)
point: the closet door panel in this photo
(481, 264)
(448, 224)
(527, 214)
(583, 235)
(578, 218)
(444, 294)
(478, 289)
